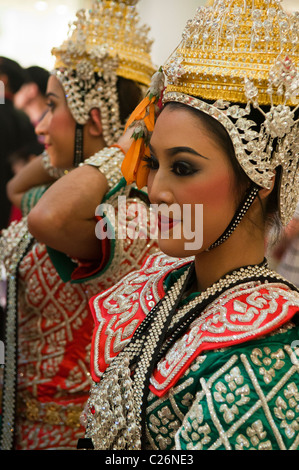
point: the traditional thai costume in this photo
(216, 369)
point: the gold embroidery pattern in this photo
(270, 418)
(166, 416)
(219, 324)
(256, 438)
(233, 396)
(49, 318)
(287, 410)
(47, 436)
(268, 361)
(163, 424)
(51, 413)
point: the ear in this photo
(95, 128)
(264, 192)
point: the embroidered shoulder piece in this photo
(118, 311)
(250, 311)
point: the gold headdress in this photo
(236, 55)
(104, 42)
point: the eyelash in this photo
(150, 162)
(153, 164)
(50, 105)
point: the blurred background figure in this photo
(286, 252)
(17, 160)
(15, 128)
(24, 155)
(31, 98)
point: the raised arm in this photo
(64, 218)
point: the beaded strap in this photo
(116, 408)
(240, 212)
(9, 393)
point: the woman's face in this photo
(58, 126)
(192, 183)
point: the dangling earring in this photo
(78, 153)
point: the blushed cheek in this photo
(218, 204)
(62, 134)
(213, 193)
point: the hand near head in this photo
(125, 141)
(33, 174)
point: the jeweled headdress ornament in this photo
(236, 55)
(105, 42)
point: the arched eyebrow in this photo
(173, 151)
(48, 95)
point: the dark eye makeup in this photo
(178, 167)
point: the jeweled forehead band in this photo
(256, 164)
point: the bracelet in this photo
(53, 171)
(108, 161)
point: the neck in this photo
(92, 144)
(244, 247)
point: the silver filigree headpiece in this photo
(105, 42)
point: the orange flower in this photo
(139, 112)
(130, 163)
(133, 168)
(149, 120)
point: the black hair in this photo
(15, 73)
(33, 147)
(38, 75)
(129, 95)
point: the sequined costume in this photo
(49, 331)
(48, 324)
(288, 266)
(230, 381)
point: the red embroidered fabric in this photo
(243, 314)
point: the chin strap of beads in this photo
(240, 212)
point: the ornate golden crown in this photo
(235, 55)
(229, 41)
(106, 40)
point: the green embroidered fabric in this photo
(31, 197)
(243, 397)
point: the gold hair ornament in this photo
(105, 42)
